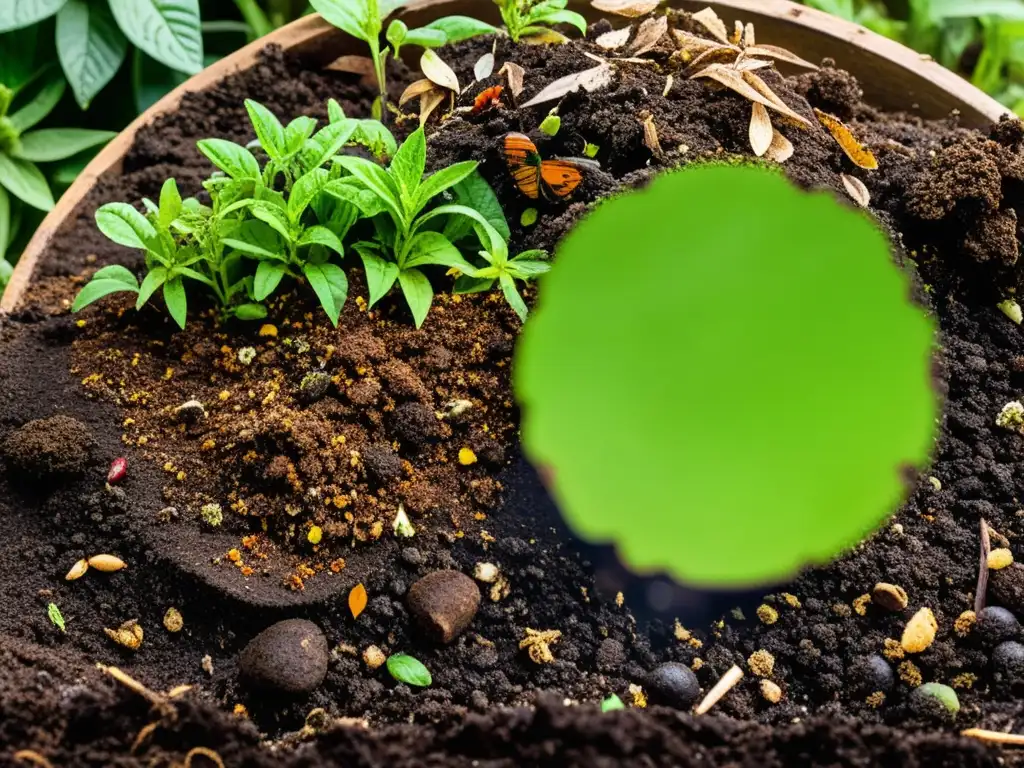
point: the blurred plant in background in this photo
(93, 65)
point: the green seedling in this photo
(523, 18)
(642, 415)
(56, 616)
(529, 217)
(590, 150)
(372, 134)
(612, 703)
(499, 268)
(551, 125)
(409, 670)
(406, 240)
(450, 29)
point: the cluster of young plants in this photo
(288, 218)
(523, 18)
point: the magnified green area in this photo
(726, 377)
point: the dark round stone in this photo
(611, 655)
(416, 424)
(290, 656)
(58, 446)
(1006, 586)
(382, 464)
(1008, 660)
(672, 684)
(444, 603)
(996, 624)
(872, 673)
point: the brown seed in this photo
(771, 691)
(374, 657)
(173, 622)
(889, 596)
(128, 634)
(920, 631)
(444, 603)
(77, 570)
(107, 563)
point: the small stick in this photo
(143, 736)
(981, 591)
(995, 737)
(725, 684)
(209, 754)
(157, 700)
(31, 756)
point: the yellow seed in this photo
(314, 535)
(891, 597)
(128, 634)
(77, 570)
(999, 558)
(965, 623)
(269, 330)
(173, 622)
(771, 691)
(466, 457)
(920, 631)
(107, 563)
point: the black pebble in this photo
(1008, 660)
(872, 673)
(996, 624)
(290, 656)
(672, 684)
(415, 424)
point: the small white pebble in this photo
(486, 572)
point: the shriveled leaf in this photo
(628, 8)
(781, 148)
(752, 64)
(355, 65)
(650, 32)
(693, 44)
(743, 84)
(589, 80)
(544, 36)
(484, 67)
(429, 102)
(415, 90)
(438, 71)
(759, 85)
(713, 24)
(614, 40)
(514, 76)
(761, 131)
(651, 140)
(855, 187)
(778, 54)
(860, 155)
(357, 600)
(719, 54)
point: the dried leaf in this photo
(611, 41)
(514, 75)
(484, 67)
(737, 32)
(629, 8)
(748, 35)
(774, 101)
(651, 140)
(781, 148)
(713, 24)
(778, 54)
(650, 32)
(692, 44)
(355, 65)
(860, 155)
(668, 85)
(721, 54)
(761, 131)
(545, 37)
(357, 600)
(855, 187)
(429, 102)
(589, 80)
(418, 88)
(751, 64)
(435, 69)
(740, 82)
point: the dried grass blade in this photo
(859, 155)
(629, 8)
(778, 54)
(589, 80)
(749, 65)
(649, 34)
(761, 131)
(856, 189)
(713, 24)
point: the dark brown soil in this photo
(951, 198)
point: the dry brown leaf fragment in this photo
(128, 634)
(428, 103)
(781, 148)
(484, 66)
(545, 37)
(779, 54)
(355, 65)
(720, 54)
(514, 76)
(713, 24)
(615, 39)
(651, 140)
(538, 644)
(649, 34)
(855, 187)
(589, 80)
(737, 32)
(859, 155)
(776, 103)
(629, 8)
(743, 83)
(761, 131)
(416, 90)
(436, 70)
(691, 43)
(749, 65)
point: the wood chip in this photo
(514, 76)
(589, 80)
(855, 187)
(781, 148)
(981, 590)
(614, 40)
(995, 737)
(761, 130)
(484, 67)
(649, 34)
(860, 155)
(435, 68)
(778, 54)
(725, 684)
(415, 90)
(713, 24)
(629, 8)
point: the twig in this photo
(722, 687)
(982, 590)
(143, 735)
(159, 701)
(995, 737)
(205, 752)
(31, 756)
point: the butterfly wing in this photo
(524, 163)
(560, 177)
(527, 178)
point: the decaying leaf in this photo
(357, 600)
(438, 71)
(355, 65)
(750, 86)
(761, 130)
(629, 8)
(778, 54)
(545, 37)
(129, 634)
(759, 85)
(650, 32)
(417, 89)
(668, 85)
(744, 65)
(719, 54)
(514, 76)
(484, 67)
(611, 41)
(589, 80)
(692, 44)
(748, 35)
(860, 155)
(429, 102)
(781, 148)
(713, 24)
(855, 187)
(651, 140)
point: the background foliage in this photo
(98, 63)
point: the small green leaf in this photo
(612, 703)
(235, 160)
(475, 192)
(409, 163)
(529, 217)
(434, 248)
(346, 15)
(303, 191)
(425, 37)
(409, 670)
(376, 137)
(15, 14)
(329, 283)
(125, 226)
(156, 278)
(176, 301)
(378, 181)
(275, 217)
(250, 312)
(256, 238)
(41, 105)
(117, 272)
(397, 30)
(297, 133)
(268, 129)
(418, 293)
(380, 273)
(26, 182)
(167, 30)
(366, 201)
(459, 28)
(170, 203)
(95, 290)
(327, 142)
(444, 179)
(268, 277)
(550, 125)
(52, 144)
(508, 287)
(561, 17)
(478, 284)
(318, 235)
(56, 616)
(90, 47)
(591, 150)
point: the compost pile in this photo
(388, 427)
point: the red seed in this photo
(118, 469)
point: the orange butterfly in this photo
(534, 175)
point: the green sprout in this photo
(612, 703)
(407, 669)
(56, 616)
(726, 394)
(533, 17)
(590, 150)
(551, 125)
